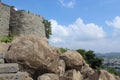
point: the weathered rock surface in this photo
(103, 75)
(86, 71)
(62, 67)
(2, 61)
(48, 76)
(73, 60)
(33, 53)
(72, 75)
(9, 68)
(15, 76)
(3, 48)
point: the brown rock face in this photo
(103, 75)
(73, 60)
(48, 76)
(72, 75)
(3, 48)
(33, 54)
(86, 71)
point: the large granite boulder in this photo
(73, 60)
(33, 54)
(48, 76)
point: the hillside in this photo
(44, 62)
(111, 54)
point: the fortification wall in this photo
(23, 22)
(4, 19)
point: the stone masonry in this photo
(20, 22)
(4, 19)
(10, 71)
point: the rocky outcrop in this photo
(44, 62)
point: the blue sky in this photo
(86, 24)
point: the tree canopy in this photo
(91, 58)
(48, 30)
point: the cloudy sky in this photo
(87, 24)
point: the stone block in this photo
(15, 76)
(9, 68)
(2, 61)
(1, 56)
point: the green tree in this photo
(91, 58)
(47, 25)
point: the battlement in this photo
(20, 22)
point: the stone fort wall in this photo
(4, 19)
(20, 22)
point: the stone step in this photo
(2, 61)
(15, 76)
(9, 68)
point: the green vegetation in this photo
(47, 25)
(91, 58)
(62, 50)
(6, 39)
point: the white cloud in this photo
(77, 35)
(68, 3)
(115, 23)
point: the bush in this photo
(47, 25)
(62, 50)
(6, 39)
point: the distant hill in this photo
(109, 54)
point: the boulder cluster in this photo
(41, 61)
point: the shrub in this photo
(62, 50)
(6, 39)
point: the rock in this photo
(73, 60)
(3, 48)
(94, 76)
(62, 66)
(48, 76)
(2, 61)
(15, 76)
(86, 71)
(103, 75)
(117, 77)
(22, 76)
(72, 75)
(33, 54)
(9, 68)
